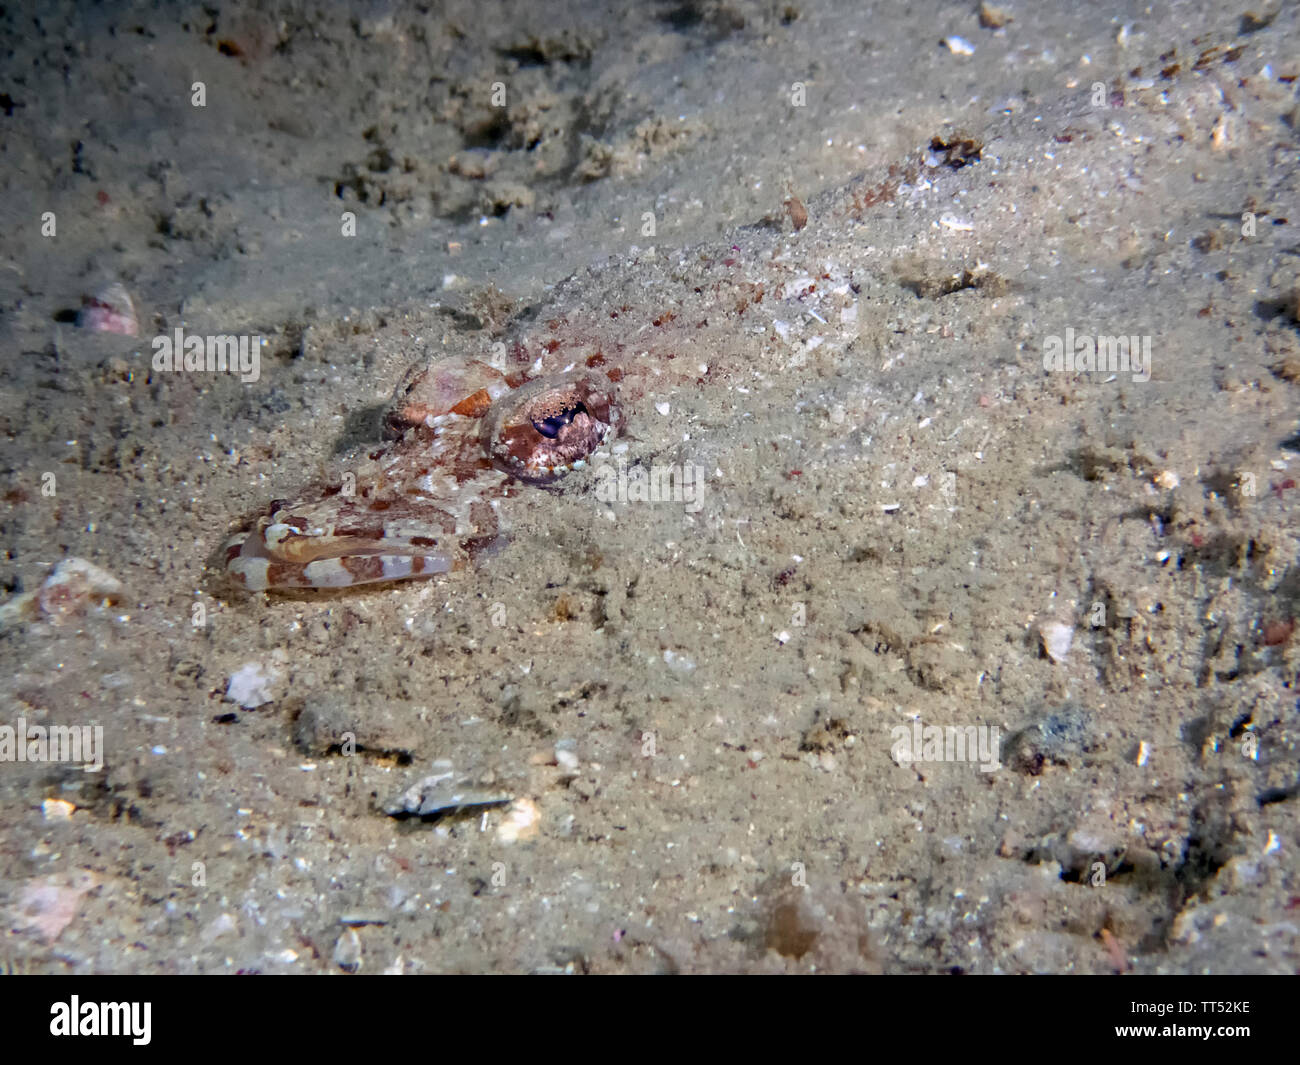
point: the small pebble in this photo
(522, 821)
(57, 809)
(47, 905)
(73, 586)
(678, 663)
(347, 951)
(219, 926)
(994, 18)
(1062, 736)
(566, 757)
(1056, 638)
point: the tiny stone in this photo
(250, 686)
(347, 951)
(522, 821)
(57, 809)
(566, 757)
(1056, 638)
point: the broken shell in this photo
(74, 586)
(1056, 638)
(109, 310)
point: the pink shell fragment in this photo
(109, 310)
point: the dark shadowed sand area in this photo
(968, 336)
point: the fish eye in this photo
(551, 425)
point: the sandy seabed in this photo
(696, 734)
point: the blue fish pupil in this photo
(550, 426)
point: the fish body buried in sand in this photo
(465, 433)
(461, 435)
